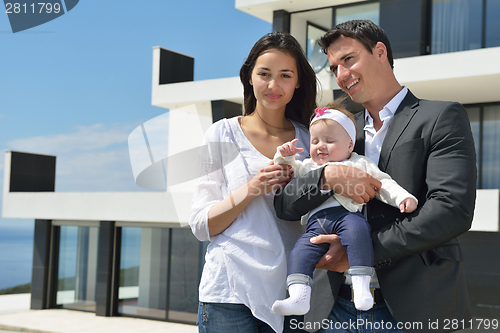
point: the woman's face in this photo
(274, 79)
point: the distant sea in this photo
(16, 255)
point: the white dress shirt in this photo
(373, 138)
(373, 144)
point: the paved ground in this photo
(15, 316)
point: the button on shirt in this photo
(373, 138)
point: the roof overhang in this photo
(264, 9)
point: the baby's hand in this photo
(408, 205)
(289, 149)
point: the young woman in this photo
(245, 266)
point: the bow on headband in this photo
(319, 112)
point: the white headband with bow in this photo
(339, 117)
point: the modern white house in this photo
(130, 254)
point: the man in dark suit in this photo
(425, 146)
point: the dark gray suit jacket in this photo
(430, 152)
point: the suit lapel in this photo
(398, 124)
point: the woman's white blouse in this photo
(247, 262)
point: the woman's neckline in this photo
(242, 132)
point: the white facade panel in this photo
(486, 214)
(456, 76)
(96, 206)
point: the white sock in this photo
(363, 299)
(297, 303)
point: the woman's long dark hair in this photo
(303, 102)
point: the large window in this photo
(159, 273)
(491, 147)
(155, 271)
(308, 27)
(186, 264)
(492, 30)
(485, 125)
(76, 277)
(459, 25)
(453, 25)
(315, 55)
(456, 25)
(369, 11)
(311, 25)
(143, 272)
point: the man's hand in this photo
(336, 257)
(350, 182)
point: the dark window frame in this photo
(479, 153)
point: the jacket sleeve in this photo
(449, 189)
(300, 195)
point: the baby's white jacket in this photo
(391, 192)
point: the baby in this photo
(333, 134)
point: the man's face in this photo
(356, 69)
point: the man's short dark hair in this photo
(364, 31)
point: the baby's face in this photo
(329, 142)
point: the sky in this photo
(77, 86)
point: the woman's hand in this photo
(335, 259)
(269, 178)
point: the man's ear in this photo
(380, 50)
